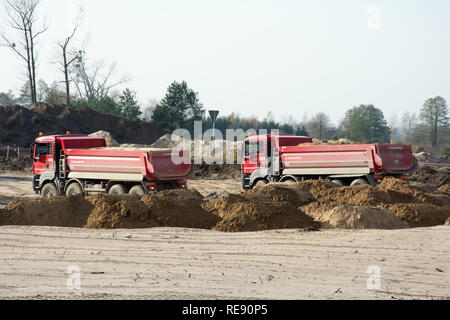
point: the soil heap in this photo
(408, 202)
(20, 126)
(270, 207)
(431, 175)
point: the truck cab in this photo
(260, 151)
(46, 153)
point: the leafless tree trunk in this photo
(95, 81)
(67, 61)
(21, 17)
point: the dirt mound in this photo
(445, 189)
(56, 212)
(345, 216)
(317, 142)
(166, 141)
(116, 213)
(175, 208)
(432, 175)
(361, 196)
(317, 186)
(291, 193)
(110, 141)
(409, 202)
(180, 208)
(256, 211)
(15, 164)
(57, 119)
(420, 215)
(226, 171)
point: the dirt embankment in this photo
(217, 172)
(411, 203)
(394, 204)
(431, 175)
(271, 207)
(57, 119)
(15, 164)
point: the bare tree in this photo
(95, 81)
(318, 126)
(21, 17)
(68, 57)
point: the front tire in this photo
(49, 191)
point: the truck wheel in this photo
(118, 189)
(260, 184)
(358, 182)
(74, 189)
(289, 180)
(338, 182)
(137, 191)
(49, 190)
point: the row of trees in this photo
(365, 123)
(181, 106)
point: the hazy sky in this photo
(251, 57)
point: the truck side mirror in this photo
(32, 151)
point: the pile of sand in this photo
(271, 207)
(180, 209)
(431, 175)
(409, 202)
(317, 186)
(393, 204)
(345, 216)
(110, 141)
(317, 142)
(116, 213)
(175, 208)
(419, 214)
(55, 212)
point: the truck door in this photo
(43, 158)
(255, 157)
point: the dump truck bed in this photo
(138, 165)
(347, 159)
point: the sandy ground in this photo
(215, 188)
(171, 263)
(174, 263)
(15, 185)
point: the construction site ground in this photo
(182, 263)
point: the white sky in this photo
(253, 56)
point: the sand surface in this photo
(174, 263)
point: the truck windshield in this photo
(43, 149)
(251, 148)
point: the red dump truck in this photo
(283, 158)
(81, 164)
